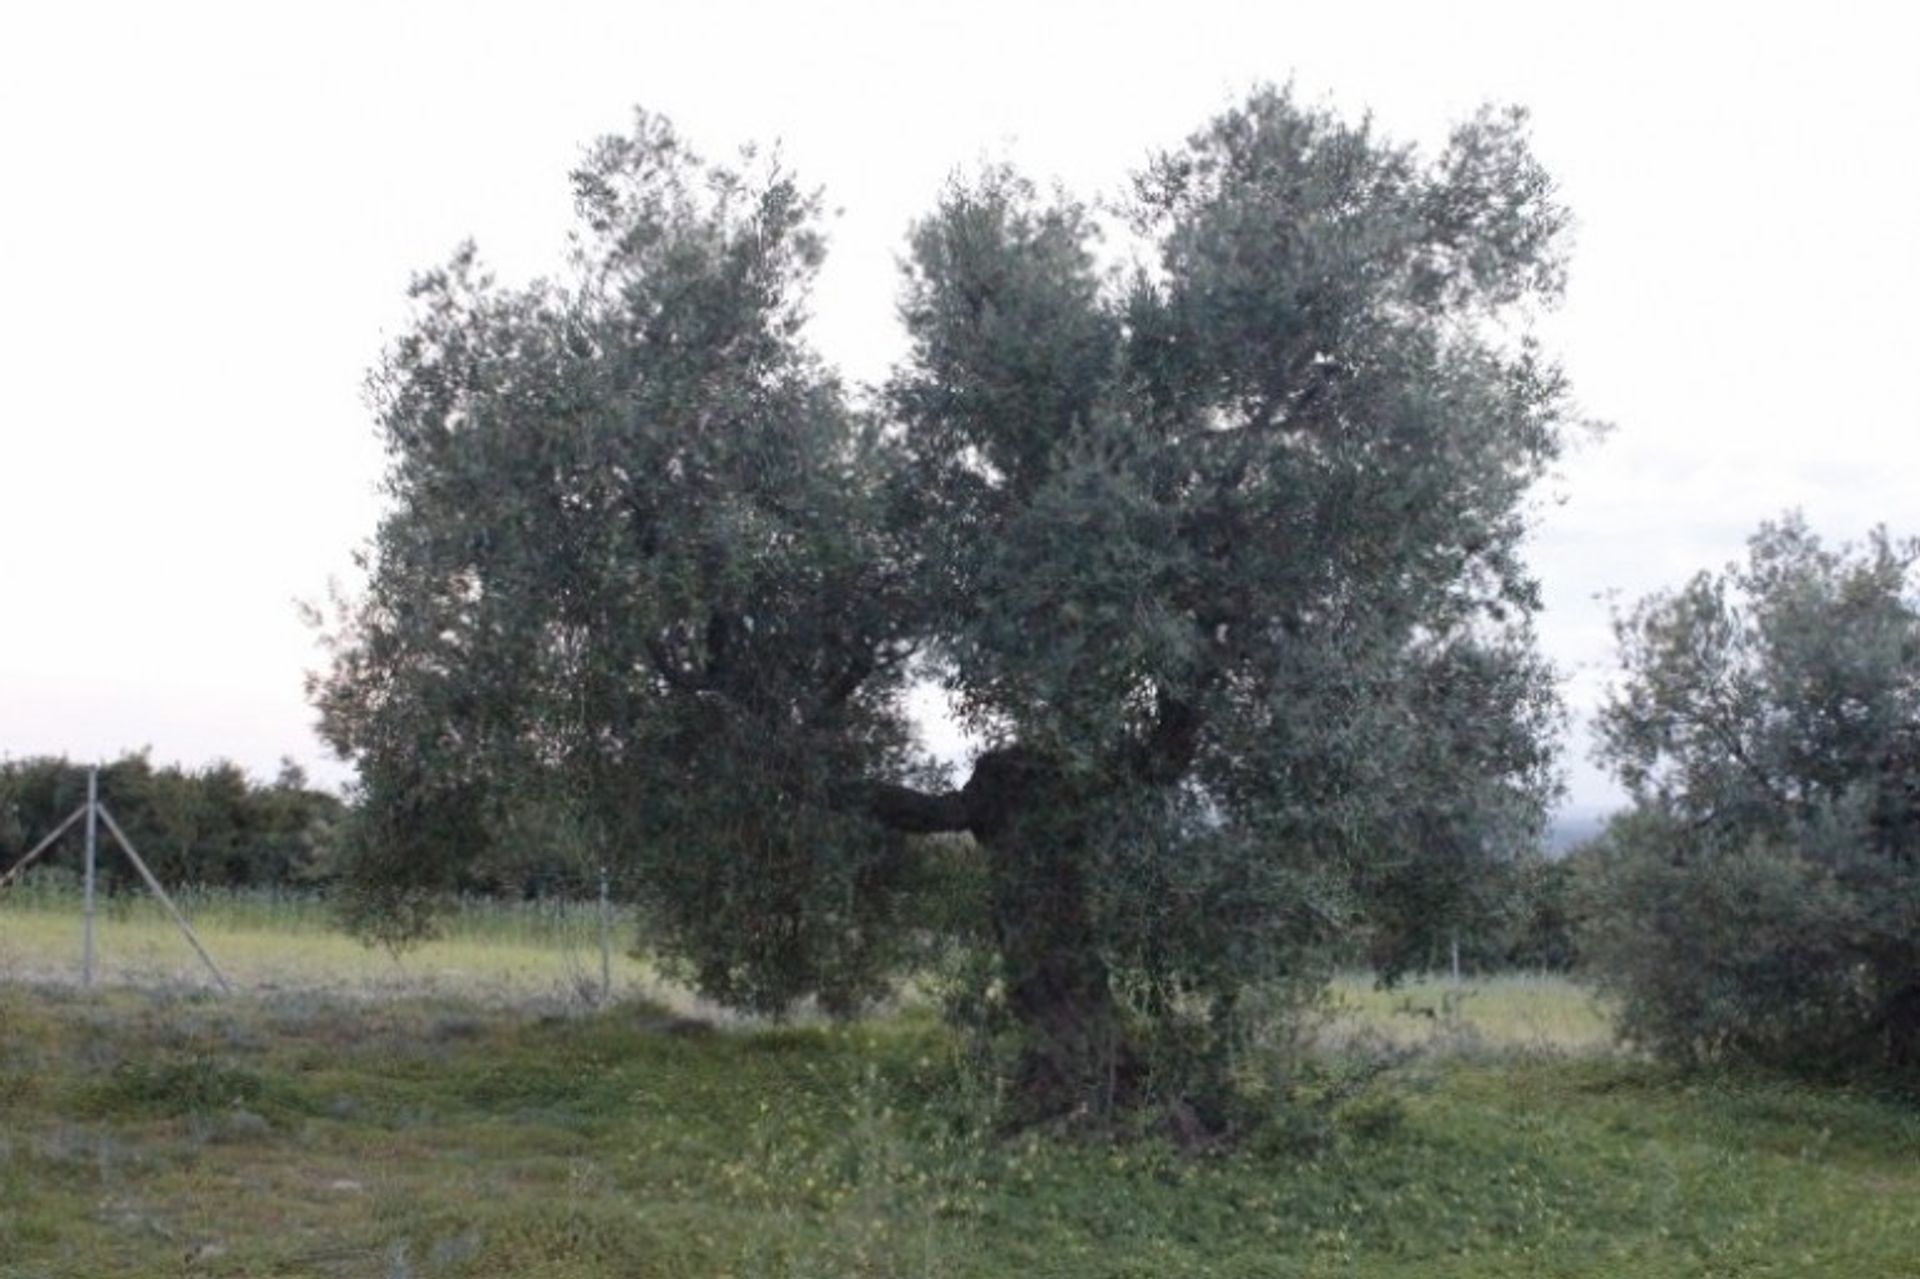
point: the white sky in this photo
(209, 214)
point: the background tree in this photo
(1762, 900)
(1216, 553)
(212, 826)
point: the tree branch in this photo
(909, 811)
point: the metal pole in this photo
(606, 940)
(93, 843)
(126, 846)
(20, 867)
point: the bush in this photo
(1762, 900)
(1760, 953)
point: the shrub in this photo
(1762, 900)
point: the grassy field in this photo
(488, 951)
(487, 1122)
(1524, 1014)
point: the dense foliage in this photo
(1763, 899)
(1215, 550)
(212, 826)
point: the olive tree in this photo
(1762, 900)
(1203, 507)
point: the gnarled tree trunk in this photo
(1032, 825)
(1075, 1056)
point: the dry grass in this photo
(521, 954)
(1536, 1013)
(533, 955)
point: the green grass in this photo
(143, 1131)
(464, 1112)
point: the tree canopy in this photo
(1762, 900)
(207, 826)
(1203, 506)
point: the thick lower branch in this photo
(1032, 821)
(913, 812)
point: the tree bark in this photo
(1033, 823)
(1075, 1056)
(912, 812)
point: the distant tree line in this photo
(210, 826)
(1521, 916)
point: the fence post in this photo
(606, 940)
(93, 843)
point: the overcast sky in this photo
(209, 214)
